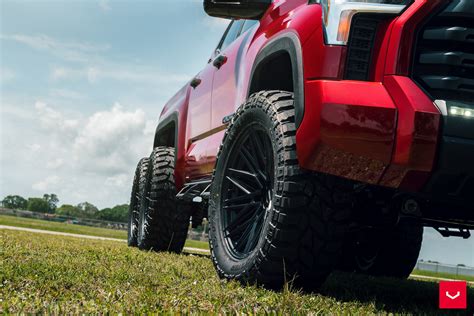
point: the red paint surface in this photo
(383, 131)
(348, 129)
(417, 135)
(403, 34)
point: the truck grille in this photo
(444, 53)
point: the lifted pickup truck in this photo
(321, 135)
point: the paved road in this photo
(41, 231)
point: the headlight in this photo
(337, 15)
(463, 112)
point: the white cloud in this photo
(117, 72)
(53, 120)
(90, 64)
(47, 184)
(120, 180)
(105, 5)
(108, 141)
(67, 50)
(55, 163)
(91, 159)
(7, 75)
(65, 94)
(215, 24)
(34, 147)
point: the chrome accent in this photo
(442, 107)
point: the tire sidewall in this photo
(134, 207)
(144, 205)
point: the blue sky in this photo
(82, 84)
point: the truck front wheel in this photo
(270, 221)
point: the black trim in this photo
(453, 178)
(289, 43)
(162, 125)
(242, 9)
(442, 63)
(361, 45)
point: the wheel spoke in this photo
(246, 190)
(258, 149)
(251, 237)
(240, 206)
(248, 235)
(242, 217)
(249, 160)
(239, 185)
(242, 231)
(242, 198)
(247, 175)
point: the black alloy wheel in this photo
(248, 186)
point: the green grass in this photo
(61, 227)
(78, 229)
(54, 274)
(197, 244)
(444, 275)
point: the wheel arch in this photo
(166, 133)
(284, 55)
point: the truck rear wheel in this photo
(163, 225)
(391, 253)
(270, 221)
(138, 188)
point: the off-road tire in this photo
(138, 189)
(302, 236)
(163, 223)
(395, 251)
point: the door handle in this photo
(195, 82)
(219, 61)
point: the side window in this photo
(231, 34)
(248, 24)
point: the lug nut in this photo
(411, 207)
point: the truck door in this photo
(198, 122)
(224, 88)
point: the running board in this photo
(195, 191)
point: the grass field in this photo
(77, 229)
(55, 274)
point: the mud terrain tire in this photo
(138, 189)
(299, 219)
(163, 223)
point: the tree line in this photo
(49, 204)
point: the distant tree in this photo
(68, 210)
(52, 200)
(15, 202)
(118, 213)
(88, 209)
(38, 205)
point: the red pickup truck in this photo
(320, 135)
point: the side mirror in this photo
(237, 9)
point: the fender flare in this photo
(288, 42)
(171, 118)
